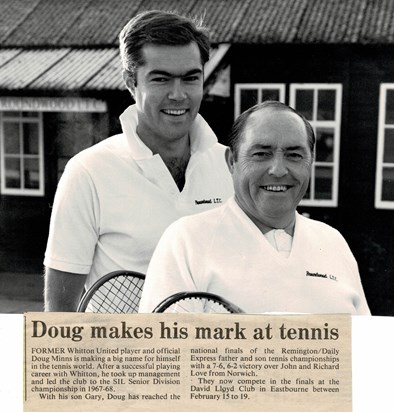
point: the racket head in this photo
(196, 302)
(116, 292)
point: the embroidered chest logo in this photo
(205, 201)
(320, 275)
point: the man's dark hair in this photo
(238, 128)
(162, 28)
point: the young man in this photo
(116, 198)
(256, 251)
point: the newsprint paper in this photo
(187, 362)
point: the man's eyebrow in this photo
(267, 146)
(296, 148)
(260, 146)
(167, 74)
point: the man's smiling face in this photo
(272, 169)
(168, 91)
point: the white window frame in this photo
(382, 126)
(336, 125)
(22, 191)
(259, 86)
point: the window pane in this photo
(32, 176)
(324, 144)
(11, 138)
(30, 138)
(270, 94)
(323, 182)
(248, 98)
(390, 107)
(12, 173)
(30, 114)
(388, 184)
(11, 114)
(388, 156)
(326, 105)
(304, 103)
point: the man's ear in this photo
(129, 81)
(229, 155)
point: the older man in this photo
(116, 198)
(256, 250)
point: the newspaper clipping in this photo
(157, 362)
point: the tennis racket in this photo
(200, 302)
(116, 292)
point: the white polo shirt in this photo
(116, 198)
(223, 252)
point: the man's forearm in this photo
(63, 290)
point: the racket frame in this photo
(87, 296)
(179, 296)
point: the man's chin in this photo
(276, 210)
(177, 131)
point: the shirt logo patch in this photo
(320, 275)
(208, 201)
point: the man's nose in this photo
(278, 166)
(177, 91)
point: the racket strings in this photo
(197, 304)
(119, 295)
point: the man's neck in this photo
(176, 158)
(175, 155)
(287, 223)
(177, 167)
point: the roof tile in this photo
(8, 54)
(378, 22)
(109, 78)
(100, 23)
(15, 75)
(75, 69)
(57, 44)
(12, 14)
(48, 23)
(331, 21)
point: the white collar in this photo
(201, 135)
(280, 240)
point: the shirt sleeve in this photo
(362, 307)
(74, 225)
(360, 302)
(169, 270)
